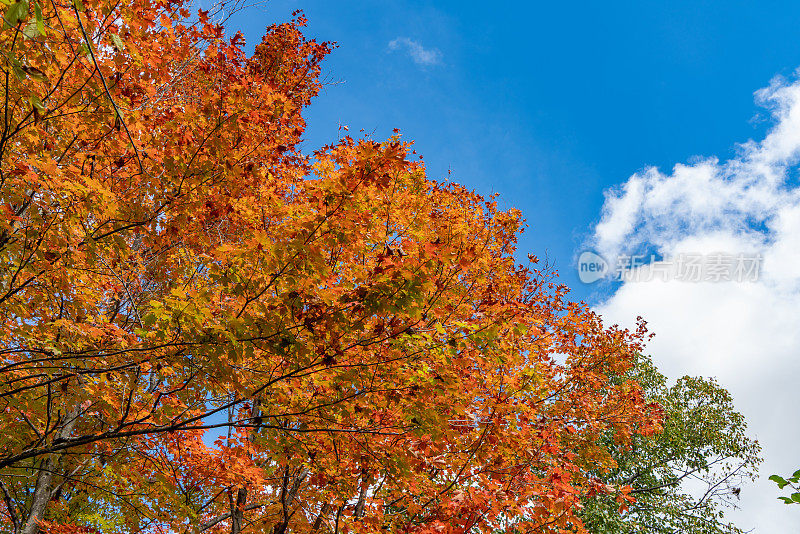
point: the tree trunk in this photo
(44, 480)
(237, 511)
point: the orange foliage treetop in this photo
(358, 337)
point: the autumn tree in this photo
(686, 475)
(358, 336)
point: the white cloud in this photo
(421, 55)
(746, 334)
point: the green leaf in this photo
(31, 30)
(117, 42)
(79, 5)
(779, 481)
(19, 72)
(35, 73)
(36, 102)
(796, 497)
(149, 319)
(37, 10)
(15, 13)
(786, 500)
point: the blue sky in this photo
(548, 104)
(562, 108)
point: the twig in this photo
(105, 86)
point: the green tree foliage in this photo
(684, 477)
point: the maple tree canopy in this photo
(357, 338)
